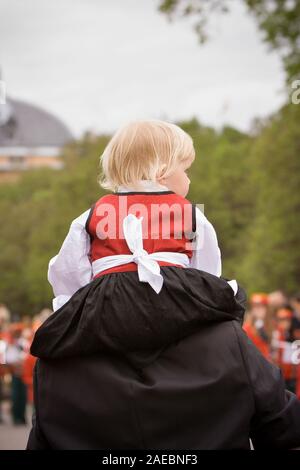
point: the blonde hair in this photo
(144, 150)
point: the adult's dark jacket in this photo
(156, 371)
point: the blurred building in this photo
(30, 137)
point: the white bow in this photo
(148, 268)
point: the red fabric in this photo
(288, 370)
(4, 336)
(165, 217)
(259, 342)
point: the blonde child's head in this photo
(145, 150)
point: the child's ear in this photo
(161, 172)
(162, 181)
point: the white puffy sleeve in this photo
(71, 268)
(207, 254)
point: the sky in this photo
(97, 64)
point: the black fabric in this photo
(194, 221)
(88, 222)
(123, 367)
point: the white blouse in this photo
(71, 268)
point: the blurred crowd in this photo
(272, 322)
(16, 362)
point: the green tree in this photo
(272, 258)
(221, 182)
(278, 20)
(37, 211)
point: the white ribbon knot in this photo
(139, 254)
(148, 268)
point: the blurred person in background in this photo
(282, 346)
(29, 360)
(15, 355)
(277, 299)
(295, 333)
(30, 327)
(258, 324)
(4, 339)
(295, 327)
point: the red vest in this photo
(169, 224)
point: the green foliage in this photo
(278, 20)
(36, 214)
(273, 251)
(221, 180)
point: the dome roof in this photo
(22, 124)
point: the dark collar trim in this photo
(88, 221)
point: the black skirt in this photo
(117, 312)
